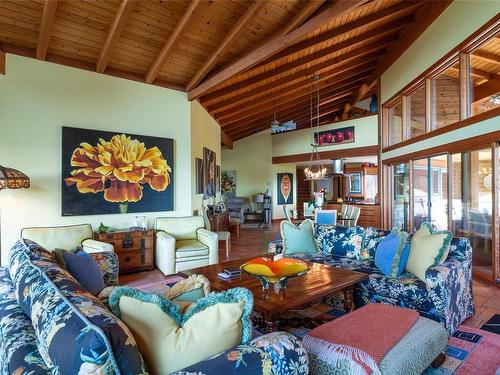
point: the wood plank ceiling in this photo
(244, 60)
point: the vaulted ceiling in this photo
(244, 60)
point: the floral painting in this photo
(228, 184)
(108, 173)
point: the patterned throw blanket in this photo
(361, 339)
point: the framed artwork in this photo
(199, 175)
(285, 188)
(209, 173)
(228, 184)
(218, 178)
(354, 183)
(109, 173)
(334, 136)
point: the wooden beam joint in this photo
(48, 16)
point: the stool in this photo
(421, 347)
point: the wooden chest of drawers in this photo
(134, 249)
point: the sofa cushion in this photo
(170, 339)
(392, 253)
(298, 239)
(359, 265)
(74, 330)
(85, 270)
(371, 239)
(18, 351)
(337, 240)
(428, 249)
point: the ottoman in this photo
(421, 347)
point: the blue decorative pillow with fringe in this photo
(171, 338)
(392, 253)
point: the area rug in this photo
(255, 226)
(492, 325)
(161, 286)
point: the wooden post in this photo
(2, 62)
(465, 97)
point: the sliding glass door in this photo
(401, 199)
(430, 191)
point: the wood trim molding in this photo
(48, 16)
(496, 210)
(275, 44)
(333, 154)
(115, 31)
(172, 40)
(470, 144)
(455, 126)
(2, 62)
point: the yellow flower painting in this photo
(117, 169)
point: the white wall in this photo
(37, 98)
(299, 141)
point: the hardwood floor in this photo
(254, 242)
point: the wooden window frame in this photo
(460, 54)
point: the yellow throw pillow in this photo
(428, 249)
(170, 340)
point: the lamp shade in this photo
(13, 179)
(258, 198)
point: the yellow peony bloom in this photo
(118, 168)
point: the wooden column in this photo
(465, 97)
(2, 62)
(428, 105)
(496, 212)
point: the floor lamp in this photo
(11, 179)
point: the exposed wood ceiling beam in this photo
(226, 140)
(115, 31)
(336, 9)
(363, 22)
(336, 64)
(302, 87)
(475, 72)
(48, 15)
(306, 12)
(363, 91)
(2, 62)
(487, 56)
(299, 102)
(371, 36)
(172, 40)
(425, 15)
(242, 22)
(486, 89)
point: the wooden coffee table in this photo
(322, 281)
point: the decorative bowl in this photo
(274, 271)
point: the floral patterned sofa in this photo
(445, 296)
(49, 324)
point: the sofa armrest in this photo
(211, 240)
(92, 246)
(109, 264)
(449, 287)
(165, 252)
(274, 353)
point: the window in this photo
(401, 200)
(484, 64)
(445, 97)
(416, 112)
(395, 123)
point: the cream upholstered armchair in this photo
(183, 243)
(66, 237)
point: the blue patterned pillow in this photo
(371, 239)
(75, 332)
(392, 253)
(85, 270)
(342, 241)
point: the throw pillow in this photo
(189, 290)
(341, 241)
(298, 239)
(392, 253)
(85, 270)
(170, 340)
(428, 249)
(371, 240)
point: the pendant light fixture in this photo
(315, 169)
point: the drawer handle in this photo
(128, 259)
(127, 243)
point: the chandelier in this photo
(315, 169)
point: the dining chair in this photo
(223, 235)
(325, 217)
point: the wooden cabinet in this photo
(134, 249)
(368, 217)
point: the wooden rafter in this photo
(115, 31)
(48, 16)
(374, 36)
(487, 56)
(275, 44)
(172, 40)
(2, 62)
(487, 88)
(425, 15)
(230, 37)
(304, 14)
(393, 11)
(226, 140)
